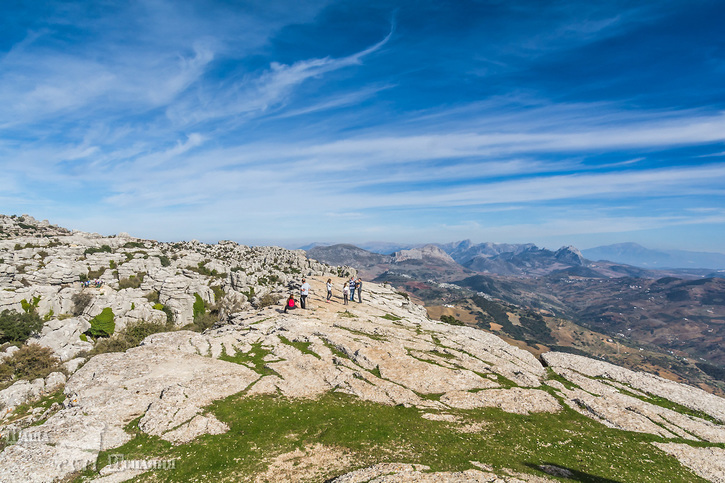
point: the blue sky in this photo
(557, 123)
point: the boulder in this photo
(64, 337)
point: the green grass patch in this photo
(254, 359)
(102, 249)
(45, 402)
(442, 354)
(551, 375)
(347, 314)
(263, 427)
(102, 325)
(365, 334)
(665, 403)
(335, 351)
(391, 317)
(303, 347)
(423, 359)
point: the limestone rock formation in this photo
(385, 351)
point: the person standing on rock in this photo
(352, 289)
(304, 292)
(358, 286)
(329, 290)
(345, 293)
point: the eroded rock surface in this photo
(708, 463)
(384, 350)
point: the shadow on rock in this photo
(563, 472)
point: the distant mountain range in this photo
(639, 256)
(455, 261)
(495, 257)
(427, 262)
(641, 302)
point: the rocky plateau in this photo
(384, 350)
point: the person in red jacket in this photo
(291, 304)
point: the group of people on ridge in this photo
(348, 290)
(348, 293)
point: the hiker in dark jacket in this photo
(358, 287)
(352, 289)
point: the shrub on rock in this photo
(199, 306)
(80, 300)
(102, 325)
(131, 336)
(30, 362)
(16, 327)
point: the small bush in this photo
(199, 306)
(16, 327)
(449, 319)
(94, 274)
(30, 362)
(130, 282)
(102, 325)
(134, 281)
(152, 297)
(165, 262)
(131, 336)
(29, 307)
(170, 319)
(202, 270)
(134, 245)
(267, 300)
(81, 300)
(203, 322)
(102, 249)
(218, 293)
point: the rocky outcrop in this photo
(687, 396)
(374, 351)
(385, 350)
(427, 251)
(407, 473)
(23, 391)
(708, 463)
(64, 337)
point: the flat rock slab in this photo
(708, 463)
(113, 389)
(515, 400)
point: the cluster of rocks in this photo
(42, 268)
(385, 350)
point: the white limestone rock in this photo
(21, 392)
(63, 337)
(708, 463)
(8, 352)
(688, 396)
(72, 365)
(113, 389)
(53, 381)
(515, 400)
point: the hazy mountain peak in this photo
(427, 251)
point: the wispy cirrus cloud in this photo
(259, 93)
(164, 115)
